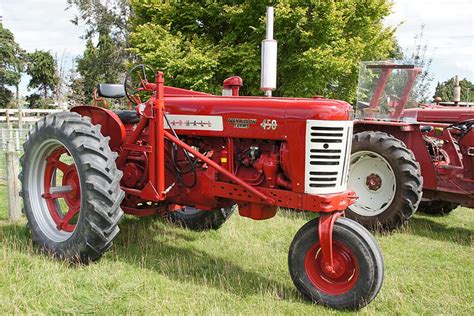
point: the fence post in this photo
(4, 138)
(9, 125)
(13, 184)
(20, 118)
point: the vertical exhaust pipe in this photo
(457, 91)
(269, 58)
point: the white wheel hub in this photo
(373, 180)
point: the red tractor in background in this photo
(194, 157)
(406, 157)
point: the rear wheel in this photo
(196, 219)
(70, 188)
(358, 274)
(437, 207)
(386, 178)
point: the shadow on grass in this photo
(422, 226)
(157, 246)
(296, 214)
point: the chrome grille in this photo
(328, 146)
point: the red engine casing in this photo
(264, 141)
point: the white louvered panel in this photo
(328, 147)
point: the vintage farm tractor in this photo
(404, 156)
(194, 157)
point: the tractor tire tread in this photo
(95, 162)
(408, 179)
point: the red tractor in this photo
(406, 157)
(194, 157)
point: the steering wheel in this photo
(136, 81)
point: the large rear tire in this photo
(195, 219)
(359, 269)
(71, 188)
(386, 178)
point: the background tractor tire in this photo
(437, 207)
(70, 188)
(361, 268)
(386, 178)
(199, 220)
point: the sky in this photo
(448, 31)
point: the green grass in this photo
(240, 269)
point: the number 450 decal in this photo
(268, 124)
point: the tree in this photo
(42, 70)
(76, 95)
(200, 43)
(98, 64)
(418, 57)
(445, 90)
(106, 22)
(99, 16)
(11, 66)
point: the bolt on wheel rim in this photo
(55, 191)
(374, 182)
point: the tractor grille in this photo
(328, 147)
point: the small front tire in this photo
(358, 255)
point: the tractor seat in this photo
(109, 90)
(127, 117)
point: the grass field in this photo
(155, 268)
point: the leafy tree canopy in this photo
(99, 64)
(11, 64)
(106, 24)
(200, 43)
(445, 90)
(42, 69)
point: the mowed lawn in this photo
(155, 268)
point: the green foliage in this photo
(109, 16)
(200, 43)
(37, 101)
(11, 65)
(42, 70)
(445, 90)
(103, 62)
(6, 97)
(100, 63)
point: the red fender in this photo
(111, 124)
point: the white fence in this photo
(14, 127)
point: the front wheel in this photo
(199, 220)
(359, 266)
(387, 179)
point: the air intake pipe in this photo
(269, 58)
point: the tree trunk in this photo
(45, 92)
(17, 96)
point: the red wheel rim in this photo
(337, 282)
(64, 200)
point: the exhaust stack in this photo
(269, 58)
(457, 91)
